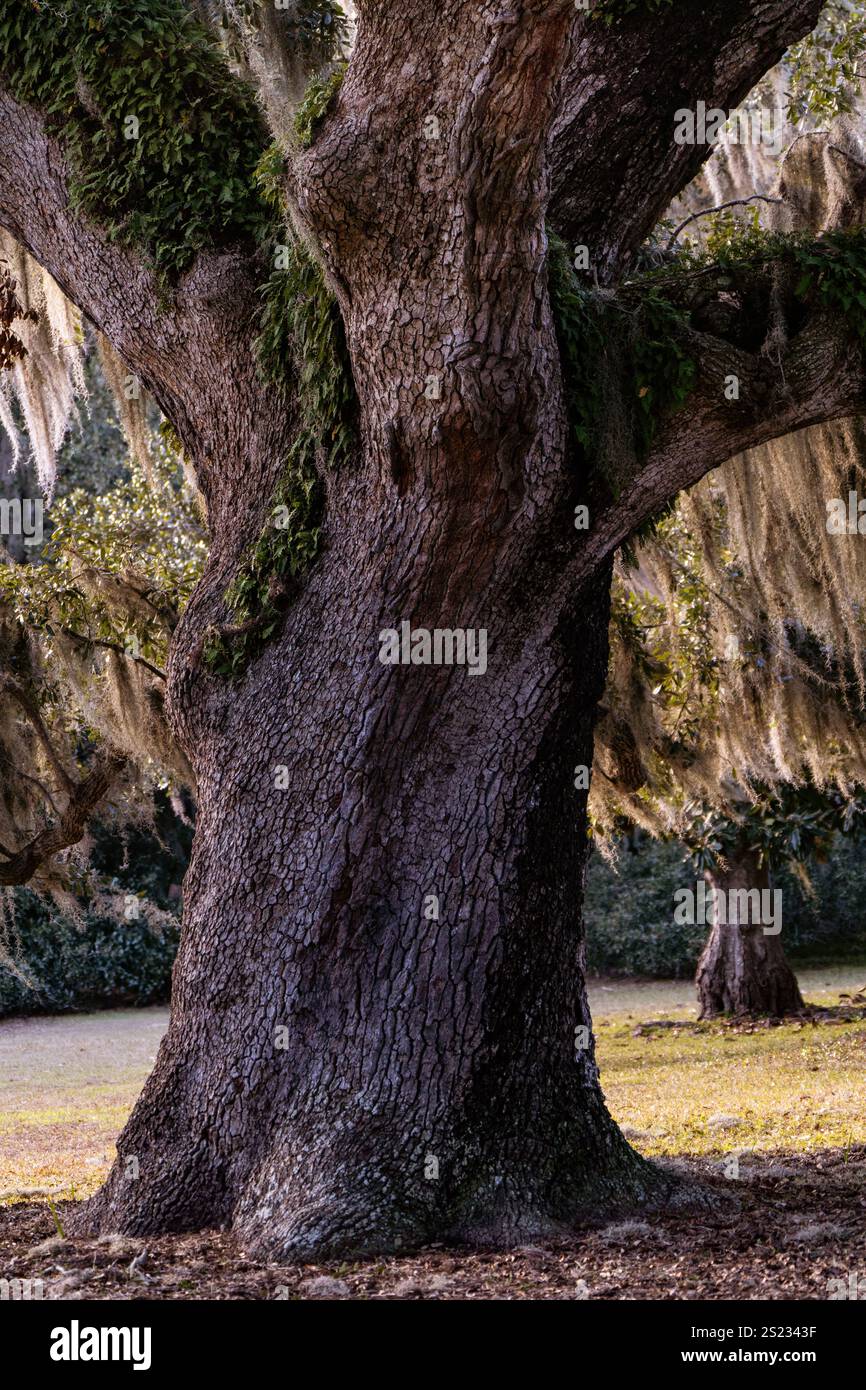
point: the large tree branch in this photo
(68, 829)
(190, 345)
(614, 164)
(819, 377)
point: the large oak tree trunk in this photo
(742, 970)
(379, 1028)
(380, 1031)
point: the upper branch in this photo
(190, 344)
(614, 164)
(766, 364)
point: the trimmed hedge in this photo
(59, 966)
(51, 964)
(628, 911)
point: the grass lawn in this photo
(789, 1102)
(67, 1083)
(710, 1088)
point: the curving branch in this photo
(20, 866)
(817, 377)
(720, 207)
(183, 342)
(613, 161)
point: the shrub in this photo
(630, 929)
(628, 913)
(52, 964)
(57, 966)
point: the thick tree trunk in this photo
(742, 970)
(378, 1002)
(380, 1032)
(348, 1068)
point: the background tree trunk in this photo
(742, 971)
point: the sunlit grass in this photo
(709, 1089)
(68, 1084)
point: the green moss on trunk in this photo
(301, 335)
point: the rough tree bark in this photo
(742, 971)
(346, 1071)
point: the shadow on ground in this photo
(791, 1227)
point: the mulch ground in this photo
(787, 1227)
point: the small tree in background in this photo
(86, 621)
(721, 702)
(743, 969)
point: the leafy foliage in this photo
(630, 928)
(628, 913)
(85, 627)
(786, 826)
(269, 174)
(58, 967)
(302, 331)
(198, 172)
(823, 66)
(119, 947)
(581, 344)
(829, 264)
(317, 28)
(162, 139)
(833, 271)
(663, 375)
(318, 99)
(117, 568)
(258, 595)
(735, 255)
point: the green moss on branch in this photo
(644, 320)
(826, 272)
(319, 98)
(161, 138)
(640, 322)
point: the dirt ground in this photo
(788, 1227)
